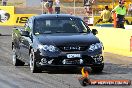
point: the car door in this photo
(25, 42)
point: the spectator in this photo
(50, 4)
(105, 15)
(88, 10)
(4, 2)
(130, 9)
(44, 8)
(57, 6)
(120, 10)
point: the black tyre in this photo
(33, 66)
(15, 60)
(98, 69)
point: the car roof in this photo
(43, 16)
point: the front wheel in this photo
(33, 67)
(15, 60)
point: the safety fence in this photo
(8, 16)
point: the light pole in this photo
(42, 4)
(113, 2)
(74, 7)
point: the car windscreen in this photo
(60, 25)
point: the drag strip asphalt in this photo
(116, 67)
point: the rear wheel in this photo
(33, 66)
(15, 60)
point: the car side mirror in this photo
(25, 33)
(94, 31)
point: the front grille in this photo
(73, 48)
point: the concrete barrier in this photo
(115, 40)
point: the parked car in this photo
(56, 40)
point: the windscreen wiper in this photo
(60, 32)
(47, 32)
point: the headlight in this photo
(95, 46)
(50, 48)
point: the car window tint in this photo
(59, 25)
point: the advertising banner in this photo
(9, 18)
(20, 19)
(6, 15)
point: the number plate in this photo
(73, 55)
(71, 61)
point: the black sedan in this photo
(56, 40)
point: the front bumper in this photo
(61, 59)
